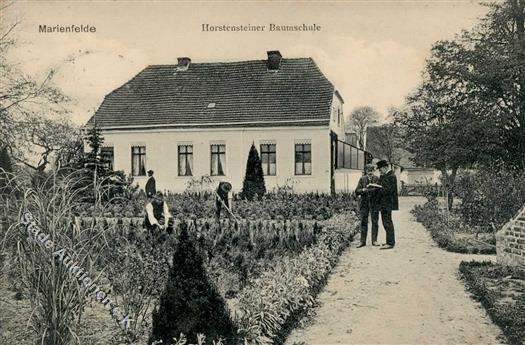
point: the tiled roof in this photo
(244, 94)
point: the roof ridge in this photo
(228, 62)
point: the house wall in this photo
(161, 154)
(413, 176)
(510, 241)
(337, 121)
(346, 180)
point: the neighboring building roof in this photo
(220, 94)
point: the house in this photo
(189, 120)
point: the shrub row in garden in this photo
(281, 294)
(450, 233)
(501, 290)
(278, 206)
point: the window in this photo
(185, 153)
(218, 160)
(268, 159)
(350, 157)
(353, 158)
(303, 159)
(138, 160)
(106, 156)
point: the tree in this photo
(360, 119)
(33, 120)
(469, 109)
(384, 142)
(190, 303)
(254, 178)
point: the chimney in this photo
(274, 60)
(183, 63)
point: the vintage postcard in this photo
(262, 172)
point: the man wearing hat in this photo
(150, 188)
(157, 214)
(368, 203)
(388, 201)
(224, 197)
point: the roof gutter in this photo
(306, 122)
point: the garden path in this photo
(408, 295)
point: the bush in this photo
(254, 179)
(190, 304)
(450, 232)
(489, 283)
(490, 197)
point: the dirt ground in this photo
(408, 295)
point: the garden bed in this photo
(501, 290)
(450, 233)
(279, 254)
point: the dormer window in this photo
(211, 105)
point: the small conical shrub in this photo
(190, 304)
(254, 179)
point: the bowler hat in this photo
(382, 163)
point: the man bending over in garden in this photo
(157, 214)
(368, 204)
(223, 199)
(388, 201)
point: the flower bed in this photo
(274, 301)
(501, 290)
(451, 233)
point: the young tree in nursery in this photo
(254, 178)
(190, 304)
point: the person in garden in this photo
(223, 196)
(151, 187)
(157, 214)
(368, 204)
(388, 201)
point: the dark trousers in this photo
(218, 208)
(365, 211)
(386, 219)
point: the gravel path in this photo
(408, 295)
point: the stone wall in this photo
(510, 241)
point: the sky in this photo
(373, 52)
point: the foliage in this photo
(491, 196)
(190, 304)
(5, 168)
(57, 295)
(253, 184)
(493, 285)
(204, 184)
(383, 142)
(450, 232)
(34, 123)
(93, 170)
(360, 119)
(471, 106)
(278, 206)
(288, 287)
(136, 265)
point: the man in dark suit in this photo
(368, 204)
(150, 188)
(388, 201)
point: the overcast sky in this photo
(373, 52)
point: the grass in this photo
(501, 290)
